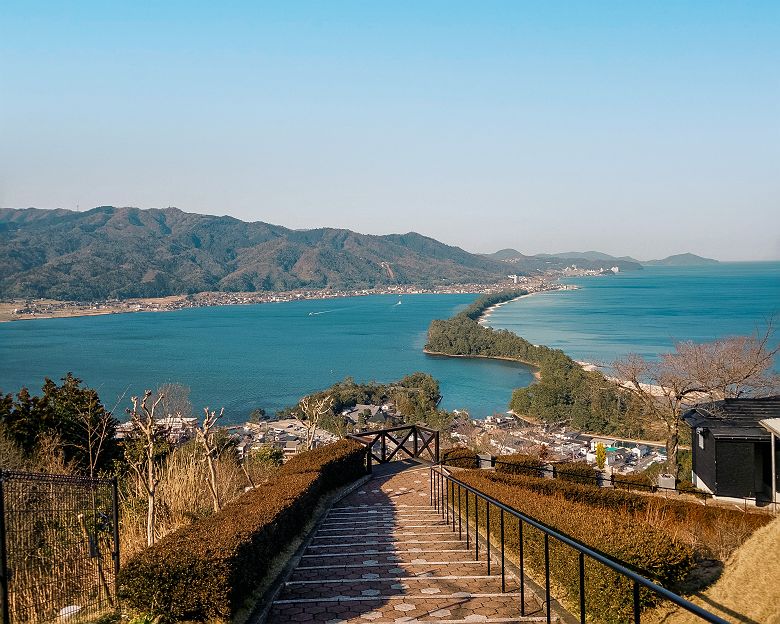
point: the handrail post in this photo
(436, 446)
(384, 447)
(369, 466)
(476, 526)
(503, 572)
(115, 554)
(637, 608)
(547, 575)
(582, 588)
(487, 532)
(6, 616)
(414, 435)
(522, 566)
(460, 527)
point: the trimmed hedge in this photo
(638, 482)
(614, 532)
(577, 472)
(520, 464)
(208, 569)
(460, 457)
(717, 529)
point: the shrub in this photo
(612, 531)
(715, 531)
(208, 569)
(529, 465)
(460, 457)
(636, 482)
(577, 472)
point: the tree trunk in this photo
(150, 519)
(151, 488)
(213, 483)
(672, 447)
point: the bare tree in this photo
(143, 457)
(311, 412)
(725, 368)
(98, 428)
(211, 449)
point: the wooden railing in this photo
(385, 445)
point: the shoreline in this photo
(534, 369)
(543, 287)
(27, 310)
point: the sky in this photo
(633, 128)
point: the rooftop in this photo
(735, 418)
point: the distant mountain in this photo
(541, 262)
(505, 254)
(588, 259)
(127, 252)
(684, 259)
(590, 255)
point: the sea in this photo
(604, 318)
(244, 357)
(269, 355)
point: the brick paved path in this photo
(383, 555)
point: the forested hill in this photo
(127, 252)
(565, 393)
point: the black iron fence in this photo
(622, 482)
(385, 445)
(59, 547)
(452, 498)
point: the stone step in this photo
(384, 555)
(414, 606)
(361, 575)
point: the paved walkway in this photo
(383, 555)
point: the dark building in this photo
(732, 450)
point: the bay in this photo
(647, 311)
(243, 357)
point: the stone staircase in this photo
(384, 555)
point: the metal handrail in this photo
(442, 483)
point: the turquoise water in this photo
(243, 357)
(646, 311)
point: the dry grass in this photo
(182, 496)
(748, 590)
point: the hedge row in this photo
(208, 569)
(612, 531)
(706, 522)
(520, 464)
(460, 457)
(638, 482)
(577, 472)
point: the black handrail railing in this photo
(393, 441)
(618, 482)
(443, 492)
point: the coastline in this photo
(534, 369)
(24, 310)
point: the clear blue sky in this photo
(642, 128)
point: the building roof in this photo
(772, 425)
(734, 418)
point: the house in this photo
(732, 454)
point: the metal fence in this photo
(625, 482)
(59, 547)
(452, 498)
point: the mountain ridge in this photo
(681, 259)
(109, 252)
